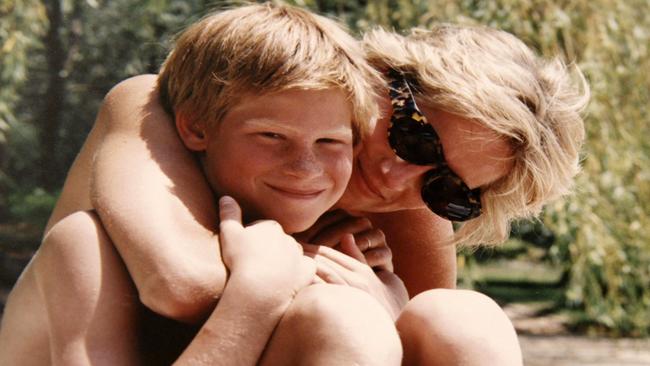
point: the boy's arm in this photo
(267, 268)
(422, 255)
(156, 205)
(238, 330)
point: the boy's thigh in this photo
(89, 297)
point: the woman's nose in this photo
(399, 174)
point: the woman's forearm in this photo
(156, 205)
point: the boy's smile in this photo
(285, 156)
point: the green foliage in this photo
(604, 231)
(22, 23)
(32, 207)
(103, 42)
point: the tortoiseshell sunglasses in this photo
(413, 139)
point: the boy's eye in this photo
(271, 135)
(329, 140)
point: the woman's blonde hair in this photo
(492, 77)
(259, 49)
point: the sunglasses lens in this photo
(415, 143)
(448, 197)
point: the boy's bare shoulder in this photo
(138, 84)
(132, 109)
(133, 96)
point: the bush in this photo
(33, 207)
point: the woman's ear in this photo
(193, 134)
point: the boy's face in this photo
(285, 156)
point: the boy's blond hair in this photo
(492, 77)
(259, 49)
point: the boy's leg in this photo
(334, 325)
(457, 327)
(91, 302)
(24, 332)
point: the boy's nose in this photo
(399, 174)
(303, 163)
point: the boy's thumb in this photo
(229, 211)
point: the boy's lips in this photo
(299, 193)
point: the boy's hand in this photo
(262, 253)
(336, 267)
(332, 226)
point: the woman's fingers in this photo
(380, 259)
(341, 259)
(350, 247)
(331, 235)
(370, 239)
(329, 229)
(326, 270)
(327, 219)
(372, 244)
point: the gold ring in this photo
(369, 245)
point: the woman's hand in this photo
(262, 253)
(349, 267)
(371, 242)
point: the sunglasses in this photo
(414, 140)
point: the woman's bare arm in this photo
(422, 255)
(156, 205)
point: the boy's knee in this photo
(76, 227)
(345, 318)
(89, 298)
(455, 325)
(73, 255)
(335, 304)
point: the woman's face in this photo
(383, 182)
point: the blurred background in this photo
(582, 269)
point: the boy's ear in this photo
(192, 133)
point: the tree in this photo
(23, 23)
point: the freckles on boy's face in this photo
(285, 156)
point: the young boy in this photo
(271, 99)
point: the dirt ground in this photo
(545, 341)
(564, 350)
